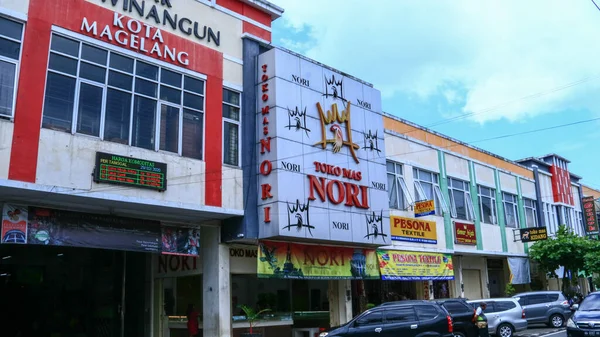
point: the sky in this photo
(469, 69)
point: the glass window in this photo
(427, 188)
(487, 204)
(370, 319)
(511, 213)
(11, 33)
(399, 198)
(97, 92)
(504, 305)
(400, 315)
(460, 200)
(537, 299)
(426, 312)
(530, 212)
(231, 120)
(456, 308)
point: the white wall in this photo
(457, 167)
(513, 247)
(67, 160)
(6, 135)
(508, 183)
(492, 237)
(528, 189)
(411, 153)
(20, 6)
(485, 176)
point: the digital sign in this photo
(134, 172)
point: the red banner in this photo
(465, 233)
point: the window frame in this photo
(469, 209)
(441, 206)
(492, 197)
(533, 208)
(515, 207)
(401, 182)
(131, 91)
(16, 63)
(232, 121)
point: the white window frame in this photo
(469, 209)
(105, 87)
(399, 179)
(515, 206)
(437, 193)
(533, 208)
(17, 64)
(492, 196)
(232, 121)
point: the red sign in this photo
(265, 167)
(465, 233)
(590, 216)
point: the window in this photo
(375, 317)
(426, 312)
(231, 127)
(456, 308)
(427, 188)
(400, 315)
(505, 305)
(487, 204)
(530, 212)
(460, 200)
(537, 299)
(100, 93)
(11, 35)
(398, 191)
(510, 210)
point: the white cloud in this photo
(494, 51)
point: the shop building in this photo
(120, 129)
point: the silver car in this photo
(505, 316)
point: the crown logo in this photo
(298, 216)
(374, 223)
(370, 141)
(334, 88)
(297, 120)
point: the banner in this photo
(424, 208)
(180, 241)
(464, 234)
(519, 270)
(14, 224)
(533, 234)
(589, 215)
(414, 266)
(412, 230)
(298, 261)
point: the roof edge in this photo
(275, 11)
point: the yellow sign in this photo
(338, 119)
(424, 208)
(298, 261)
(414, 266)
(413, 230)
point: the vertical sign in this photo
(590, 216)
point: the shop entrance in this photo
(496, 277)
(49, 291)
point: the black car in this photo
(585, 322)
(462, 316)
(403, 318)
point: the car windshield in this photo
(591, 303)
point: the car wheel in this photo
(504, 330)
(459, 334)
(557, 321)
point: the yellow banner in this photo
(298, 261)
(414, 266)
(413, 230)
(424, 208)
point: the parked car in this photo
(462, 315)
(403, 318)
(548, 307)
(586, 319)
(505, 316)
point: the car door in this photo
(432, 319)
(400, 321)
(536, 307)
(369, 324)
(492, 315)
(462, 315)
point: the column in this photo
(486, 279)
(522, 220)
(475, 200)
(500, 209)
(431, 294)
(340, 302)
(216, 292)
(448, 227)
(459, 284)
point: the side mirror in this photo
(575, 307)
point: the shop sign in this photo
(180, 241)
(533, 234)
(465, 234)
(413, 230)
(14, 224)
(134, 172)
(176, 264)
(320, 153)
(414, 266)
(298, 261)
(590, 215)
(424, 208)
(160, 12)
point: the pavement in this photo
(542, 330)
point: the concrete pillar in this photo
(485, 279)
(431, 294)
(340, 302)
(458, 277)
(216, 292)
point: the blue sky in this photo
(504, 67)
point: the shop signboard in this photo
(321, 158)
(134, 172)
(533, 234)
(14, 224)
(180, 240)
(464, 233)
(414, 266)
(299, 261)
(424, 208)
(590, 216)
(413, 230)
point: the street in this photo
(541, 330)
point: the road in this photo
(542, 331)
